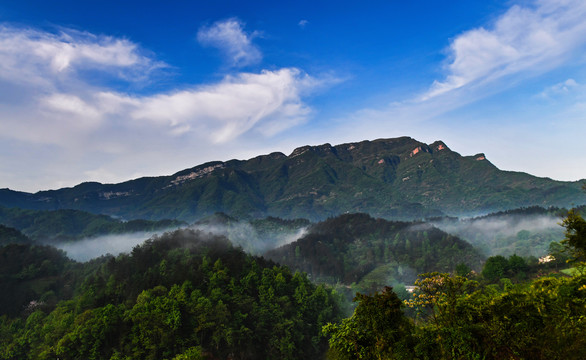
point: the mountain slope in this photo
(397, 178)
(67, 225)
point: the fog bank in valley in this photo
(524, 235)
(87, 249)
(244, 235)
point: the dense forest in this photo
(398, 179)
(184, 295)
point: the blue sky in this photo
(108, 91)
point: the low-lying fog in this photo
(525, 235)
(87, 249)
(241, 234)
(244, 235)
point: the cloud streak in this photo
(524, 39)
(48, 60)
(229, 37)
(233, 106)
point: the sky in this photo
(109, 91)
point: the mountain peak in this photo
(439, 146)
(480, 157)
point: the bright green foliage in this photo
(378, 329)
(458, 319)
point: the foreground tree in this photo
(378, 329)
(575, 240)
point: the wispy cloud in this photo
(45, 59)
(560, 89)
(230, 38)
(303, 23)
(531, 38)
(483, 65)
(271, 99)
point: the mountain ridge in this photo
(397, 178)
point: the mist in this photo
(524, 235)
(245, 236)
(87, 249)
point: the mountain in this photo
(398, 178)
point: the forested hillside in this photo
(356, 248)
(184, 295)
(68, 225)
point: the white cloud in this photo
(59, 103)
(271, 99)
(563, 88)
(303, 23)
(523, 39)
(29, 56)
(229, 37)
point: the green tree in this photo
(378, 329)
(495, 268)
(575, 240)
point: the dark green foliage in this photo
(10, 235)
(498, 267)
(575, 240)
(69, 225)
(32, 277)
(495, 268)
(347, 248)
(184, 295)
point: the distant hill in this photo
(356, 248)
(9, 235)
(65, 225)
(524, 231)
(398, 178)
